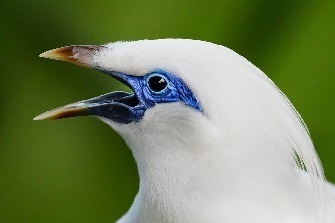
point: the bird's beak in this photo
(117, 106)
(80, 55)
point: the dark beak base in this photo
(117, 106)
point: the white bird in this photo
(214, 139)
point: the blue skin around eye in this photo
(176, 91)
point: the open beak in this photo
(118, 106)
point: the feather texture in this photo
(245, 156)
(248, 159)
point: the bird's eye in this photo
(157, 83)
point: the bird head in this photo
(160, 77)
(196, 107)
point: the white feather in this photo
(240, 161)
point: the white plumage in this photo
(246, 157)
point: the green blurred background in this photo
(79, 170)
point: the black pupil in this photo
(157, 83)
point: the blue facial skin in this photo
(151, 89)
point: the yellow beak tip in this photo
(56, 54)
(40, 117)
(44, 55)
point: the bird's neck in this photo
(180, 183)
(171, 187)
(202, 175)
